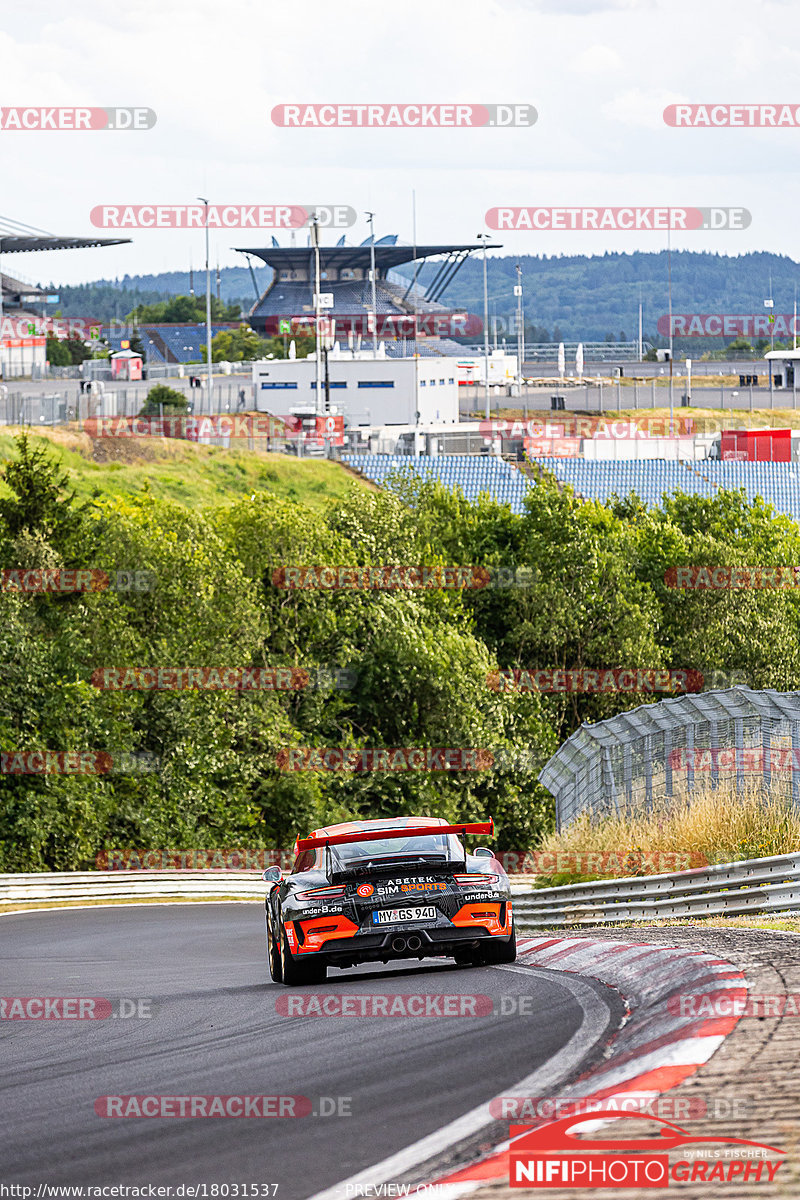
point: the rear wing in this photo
(374, 835)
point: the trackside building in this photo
(367, 390)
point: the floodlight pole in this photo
(209, 383)
(317, 341)
(669, 294)
(520, 329)
(2, 366)
(371, 218)
(484, 238)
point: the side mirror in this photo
(272, 875)
(483, 852)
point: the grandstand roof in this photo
(17, 287)
(18, 238)
(16, 244)
(386, 257)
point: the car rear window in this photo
(440, 845)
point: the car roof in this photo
(379, 825)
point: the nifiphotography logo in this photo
(553, 1156)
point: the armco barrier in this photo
(758, 885)
(127, 885)
(752, 886)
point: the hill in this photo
(196, 476)
(579, 297)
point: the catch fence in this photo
(640, 760)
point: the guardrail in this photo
(130, 885)
(759, 885)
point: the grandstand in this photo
(345, 274)
(472, 473)
(778, 483)
(170, 343)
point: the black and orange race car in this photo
(375, 891)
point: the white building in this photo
(23, 356)
(471, 368)
(783, 367)
(368, 390)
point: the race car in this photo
(377, 891)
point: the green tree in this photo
(58, 354)
(183, 310)
(235, 345)
(162, 398)
(41, 501)
(304, 345)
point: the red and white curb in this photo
(660, 1048)
(656, 1049)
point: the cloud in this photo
(641, 109)
(587, 7)
(596, 60)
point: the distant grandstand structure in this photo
(23, 304)
(168, 343)
(16, 238)
(288, 302)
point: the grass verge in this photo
(184, 471)
(717, 825)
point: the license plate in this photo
(394, 916)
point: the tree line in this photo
(571, 585)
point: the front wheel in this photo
(295, 973)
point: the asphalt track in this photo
(214, 1030)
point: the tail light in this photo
(471, 880)
(326, 893)
(482, 916)
(322, 928)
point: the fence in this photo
(629, 762)
(618, 396)
(61, 404)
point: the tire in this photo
(273, 954)
(466, 958)
(294, 973)
(489, 953)
(502, 952)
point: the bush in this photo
(164, 399)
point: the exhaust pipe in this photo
(414, 942)
(398, 944)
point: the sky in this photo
(598, 72)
